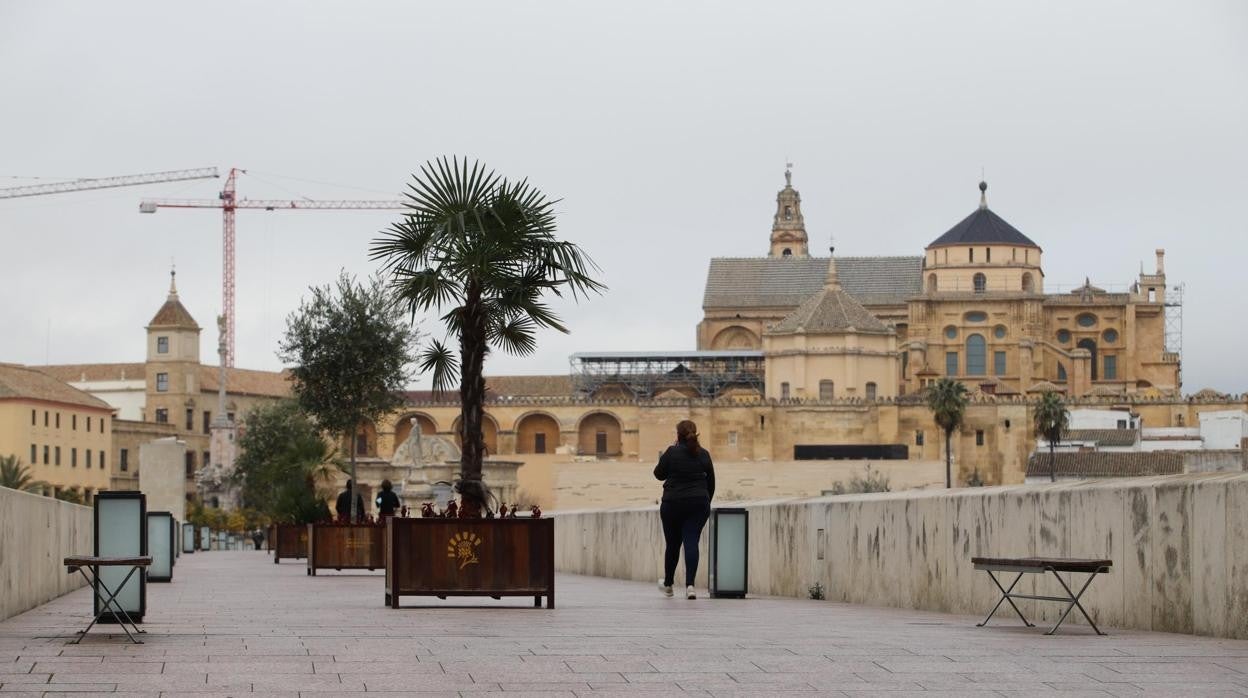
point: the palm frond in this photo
(440, 361)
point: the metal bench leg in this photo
(1074, 601)
(106, 603)
(1005, 596)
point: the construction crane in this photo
(228, 202)
(107, 182)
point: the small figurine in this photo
(537, 511)
(452, 510)
(514, 509)
(502, 511)
(426, 510)
(403, 511)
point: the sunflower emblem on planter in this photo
(463, 548)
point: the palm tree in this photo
(481, 249)
(16, 476)
(1052, 419)
(947, 400)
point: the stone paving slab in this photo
(233, 623)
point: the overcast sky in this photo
(1106, 129)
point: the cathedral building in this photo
(972, 307)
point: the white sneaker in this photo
(689, 593)
(667, 590)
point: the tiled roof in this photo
(829, 310)
(78, 373)
(502, 387)
(25, 382)
(1046, 387)
(786, 282)
(173, 314)
(1106, 464)
(983, 226)
(1104, 437)
(244, 381)
(528, 386)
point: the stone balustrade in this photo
(1179, 545)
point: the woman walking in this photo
(688, 484)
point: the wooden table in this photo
(1042, 565)
(88, 566)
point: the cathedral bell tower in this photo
(788, 231)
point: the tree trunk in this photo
(948, 459)
(1052, 461)
(355, 434)
(472, 339)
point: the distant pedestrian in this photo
(688, 485)
(343, 506)
(387, 500)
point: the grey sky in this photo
(1107, 129)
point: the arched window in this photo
(784, 391)
(1061, 372)
(786, 253)
(788, 213)
(981, 283)
(826, 389)
(870, 391)
(1090, 345)
(931, 283)
(976, 355)
(1028, 285)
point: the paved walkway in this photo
(233, 622)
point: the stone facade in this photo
(973, 307)
(62, 434)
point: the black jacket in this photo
(343, 505)
(387, 503)
(685, 475)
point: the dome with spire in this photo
(173, 313)
(983, 227)
(830, 311)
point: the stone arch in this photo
(981, 282)
(598, 434)
(403, 427)
(537, 432)
(489, 434)
(1028, 284)
(1090, 345)
(735, 337)
(931, 283)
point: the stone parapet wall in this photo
(36, 535)
(1179, 545)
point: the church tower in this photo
(172, 360)
(788, 231)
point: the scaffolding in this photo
(705, 374)
(1174, 326)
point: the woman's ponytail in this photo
(687, 435)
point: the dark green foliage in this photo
(947, 400)
(481, 250)
(16, 476)
(351, 347)
(871, 480)
(282, 457)
(1052, 419)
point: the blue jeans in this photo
(683, 520)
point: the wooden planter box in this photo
(470, 557)
(291, 541)
(345, 547)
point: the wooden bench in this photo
(1042, 565)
